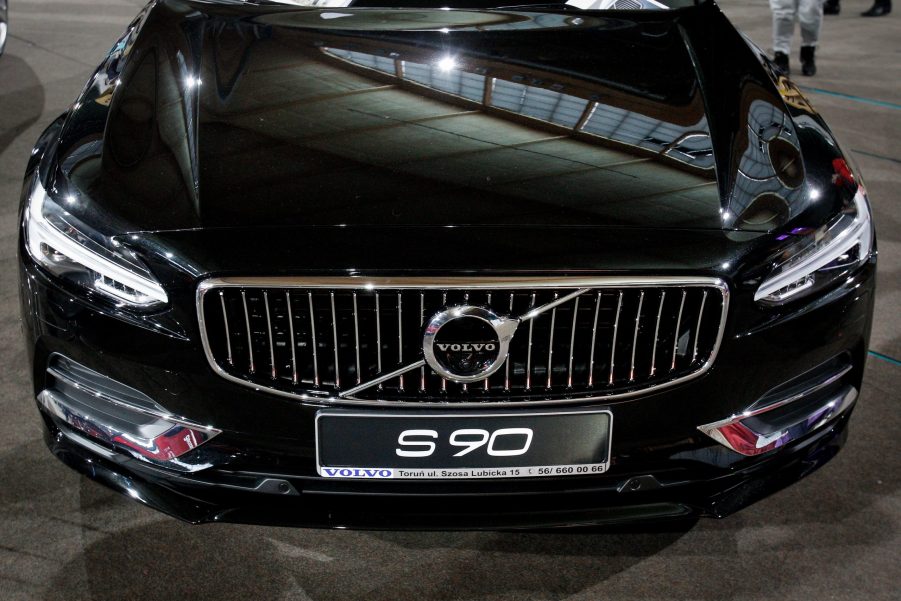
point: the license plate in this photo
(429, 446)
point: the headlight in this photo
(69, 249)
(820, 256)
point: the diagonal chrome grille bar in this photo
(399, 373)
(383, 378)
(532, 314)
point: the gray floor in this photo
(835, 535)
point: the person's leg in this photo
(880, 8)
(810, 15)
(784, 13)
(832, 7)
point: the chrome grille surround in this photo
(399, 375)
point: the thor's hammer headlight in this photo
(73, 251)
(817, 257)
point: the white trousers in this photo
(809, 13)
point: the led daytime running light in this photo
(39, 231)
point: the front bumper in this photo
(260, 467)
(284, 500)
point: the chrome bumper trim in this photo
(360, 282)
(750, 437)
(104, 424)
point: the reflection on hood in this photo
(204, 113)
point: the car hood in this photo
(224, 116)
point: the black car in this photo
(4, 24)
(408, 267)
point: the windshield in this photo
(485, 4)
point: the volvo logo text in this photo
(466, 347)
(466, 343)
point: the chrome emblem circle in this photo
(467, 344)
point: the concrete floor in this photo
(834, 535)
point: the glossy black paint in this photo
(268, 167)
(281, 130)
(487, 507)
(4, 21)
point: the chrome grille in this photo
(359, 340)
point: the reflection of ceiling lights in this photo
(320, 3)
(447, 64)
(617, 4)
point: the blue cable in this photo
(885, 358)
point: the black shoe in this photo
(832, 7)
(808, 65)
(780, 59)
(880, 8)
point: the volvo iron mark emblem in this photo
(467, 344)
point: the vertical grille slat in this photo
(443, 305)
(550, 345)
(594, 335)
(487, 383)
(249, 335)
(228, 338)
(400, 336)
(293, 339)
(272, 364)
(677, 330)
(694, 354)
(572, 343)
(635, 336)
(529, 354)
(422, 321)
(378, 336)
(334, 339)
(337, 364)
(657, 334)
(314, 343)
(357, 339)
(619, 306)
(509, 357)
